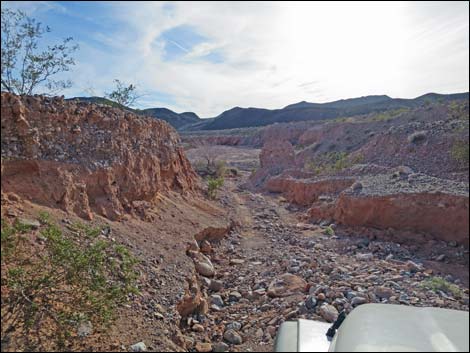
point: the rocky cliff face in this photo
(304, 191)
(443, 216)
(85, 158)
(419, 203)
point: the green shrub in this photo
(460, 153)
(333, 162)
(387, 115)
(458, 111)
(213, 185)
(329, 231)
(8, 241)
(440, 284)
(44, 217)
(64, 281)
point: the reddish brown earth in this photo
(166, 272)
(439, 210)
(444, 216)
(224, 274)
(275, 157)
(272, 266)
(84, 158)
(114, 169)
(397, 170)
(304, 192)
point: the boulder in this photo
(383, 292)
(216, 285)
(286, 285)
(204, 266)
(328, 312)
(203, 347)
(220, 347)
(233, 337)
(138, 347)
(217, 300)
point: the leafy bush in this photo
(440, 284)
(460, 153)
(123, 94)
(333, 162)
(387, 115)
(44, 217)
(329, 231)
(57, 281)
(459, 111)
(213, 185)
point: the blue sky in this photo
(207, 57)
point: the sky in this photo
(208, 57)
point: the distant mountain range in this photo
(246, 117)
(250, 117)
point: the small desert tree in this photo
(209, 162)
(213, 185)
(27, 66)
(209, 154)
(123, 94)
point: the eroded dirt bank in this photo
(86, 158)
(423, 204)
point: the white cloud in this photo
(271, 50)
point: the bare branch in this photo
(25, 69)
(123, 94)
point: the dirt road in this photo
(327, 273)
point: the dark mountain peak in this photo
(230, 111)
(190, 114)
(353, 102)
(302, 104)
(342, 103)
(174, 119)
(234, 109)
(249, 117)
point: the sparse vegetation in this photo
(213, 185)
(440, 284)
(220, 168)
(44, 217)
(329, 231)
(209, 163)
(55, 281)
(123, 94)
(427, 102)
(460, 148)
(214, 169)
(388, 115)
(459, 110)
(460, 153)
(332, 162)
